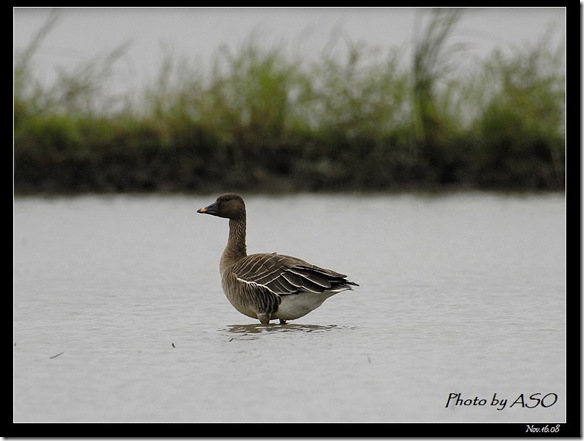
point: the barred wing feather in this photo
(285, 275)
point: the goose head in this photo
(229, 205)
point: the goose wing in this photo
(284, 275)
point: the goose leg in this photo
(282, 322)
(264, 318)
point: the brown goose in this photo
(269, 286)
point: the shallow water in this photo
(119, 316)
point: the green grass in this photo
(262, 119)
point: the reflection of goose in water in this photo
(292, 327)
(255, 331)
(269, 286)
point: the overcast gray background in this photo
(195, 33)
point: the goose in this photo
(268, 286)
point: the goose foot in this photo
(282, 322)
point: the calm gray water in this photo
(119, 314)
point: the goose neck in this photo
(236, 244)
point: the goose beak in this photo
(211, 209)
